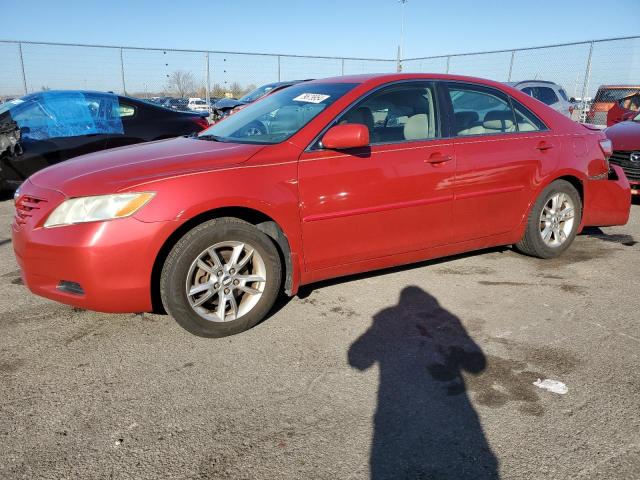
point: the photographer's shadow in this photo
(425, 426)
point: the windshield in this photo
(636, 118)
(257, 93)
(277, 117)
(614, 94)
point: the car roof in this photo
(382, 78)
(546, 82)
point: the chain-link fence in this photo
(148, 72)
(580, 68)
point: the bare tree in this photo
(181, 83)
(236, 90)
(218, 90)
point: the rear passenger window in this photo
(480, 112)
(528, 91)
(563, 94)
(127, 110)
(396, 114)
(526, 121)
(546, 95)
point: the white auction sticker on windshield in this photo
(311, 97)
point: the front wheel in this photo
(553, 221)
(221, 278)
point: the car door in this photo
(135, 127)
(502, 150)
(393, 196)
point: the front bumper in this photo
(111, 261)
(607, 201)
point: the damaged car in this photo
(46, 128)
(226, 106)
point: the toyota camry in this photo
(322, 179)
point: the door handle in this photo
(437, 158)
(544, 146)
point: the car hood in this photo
(120, 168)
(624, 135)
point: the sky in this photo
(358, 28)
(353, 28)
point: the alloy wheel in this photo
(557, 219)
(226, 281)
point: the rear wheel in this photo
(553, 221)
(221, 278)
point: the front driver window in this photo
(399, 113)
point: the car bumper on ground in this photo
(102, 266)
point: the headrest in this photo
(498, 120)
(417, 127)
(464, 119)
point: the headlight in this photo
(98, 208)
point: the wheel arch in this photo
(260, 220)
(574, 178)
(575, 181)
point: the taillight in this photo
(607, 147)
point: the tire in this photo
(532, 242)
(189, 265)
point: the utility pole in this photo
(401, 45)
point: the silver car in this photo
(547, 92)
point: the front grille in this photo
(623, 159)
(25, 207)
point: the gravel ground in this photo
(418, 372)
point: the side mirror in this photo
(348, 135)
(572, 99)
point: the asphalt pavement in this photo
(421, 372)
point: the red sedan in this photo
(322, 179)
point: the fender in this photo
(269, 200)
